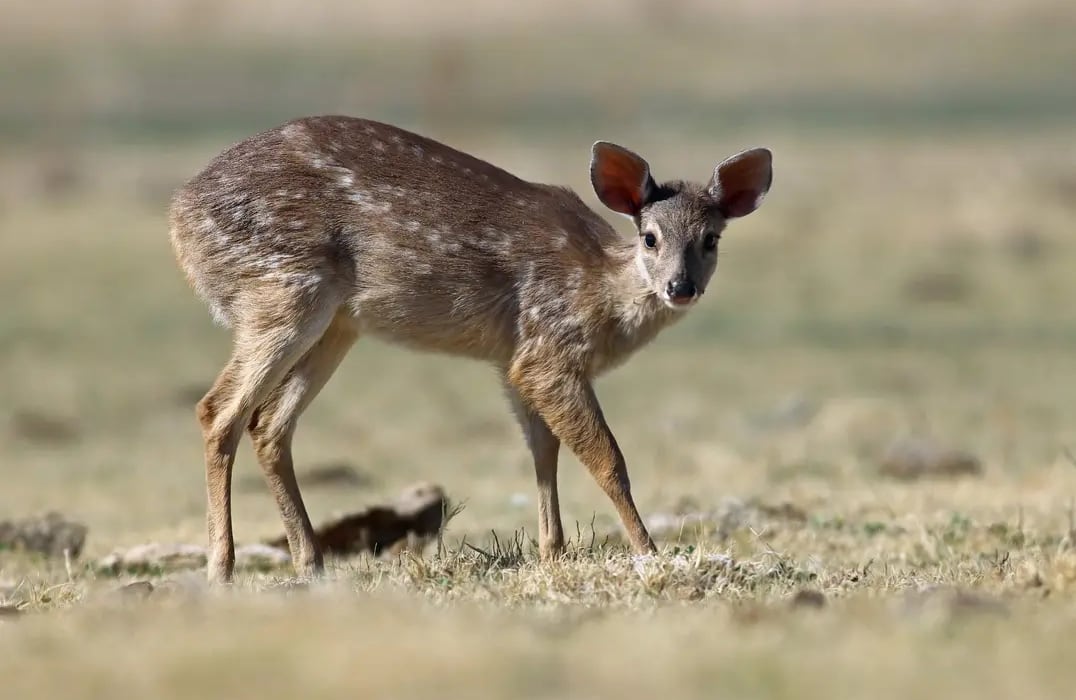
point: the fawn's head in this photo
(679, 223)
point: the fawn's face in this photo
(676, 252)
(679, 224)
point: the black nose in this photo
(681, 290)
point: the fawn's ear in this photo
(741, 182)
(621, 179)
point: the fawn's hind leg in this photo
(544, 447)
(269, 339)
(273, 425)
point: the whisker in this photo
(644, 296)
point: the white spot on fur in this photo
(528, 275)
(412, 226)
(437, 160)
(263, 214)
(293, 131)
(392, 191)
(367, 204)
(379, 146)
(575, 280)
(216, 312)
(417, 151)
(299, 281)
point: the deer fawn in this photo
(305, 237)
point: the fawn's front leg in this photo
(567, 404)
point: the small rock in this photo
(136, 590)
(43, 429)
(190, 584)
(261, 556)
(50, 534)
(519, 500)
(154, 556)
(937, 286)
(808, 598)
(914, 458)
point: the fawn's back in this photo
(421, 243)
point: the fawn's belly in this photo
(457, 325)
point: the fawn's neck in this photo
(636, 314)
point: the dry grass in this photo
(910, 275)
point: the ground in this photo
(908, 278)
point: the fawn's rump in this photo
(240, 267)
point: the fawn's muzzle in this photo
(681, 291)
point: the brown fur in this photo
(307, 236)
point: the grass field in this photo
(909, 276)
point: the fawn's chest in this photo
(626, 332)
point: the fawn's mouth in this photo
(679, 302)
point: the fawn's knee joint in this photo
(268, 447)
(220, 439)
(206, 411)
(269, 439)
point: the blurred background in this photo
(910, 273)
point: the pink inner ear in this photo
(737, 204)
(621, 180)
(741, 182)
(618, 200)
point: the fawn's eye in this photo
(650, 240)
(709, 241)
